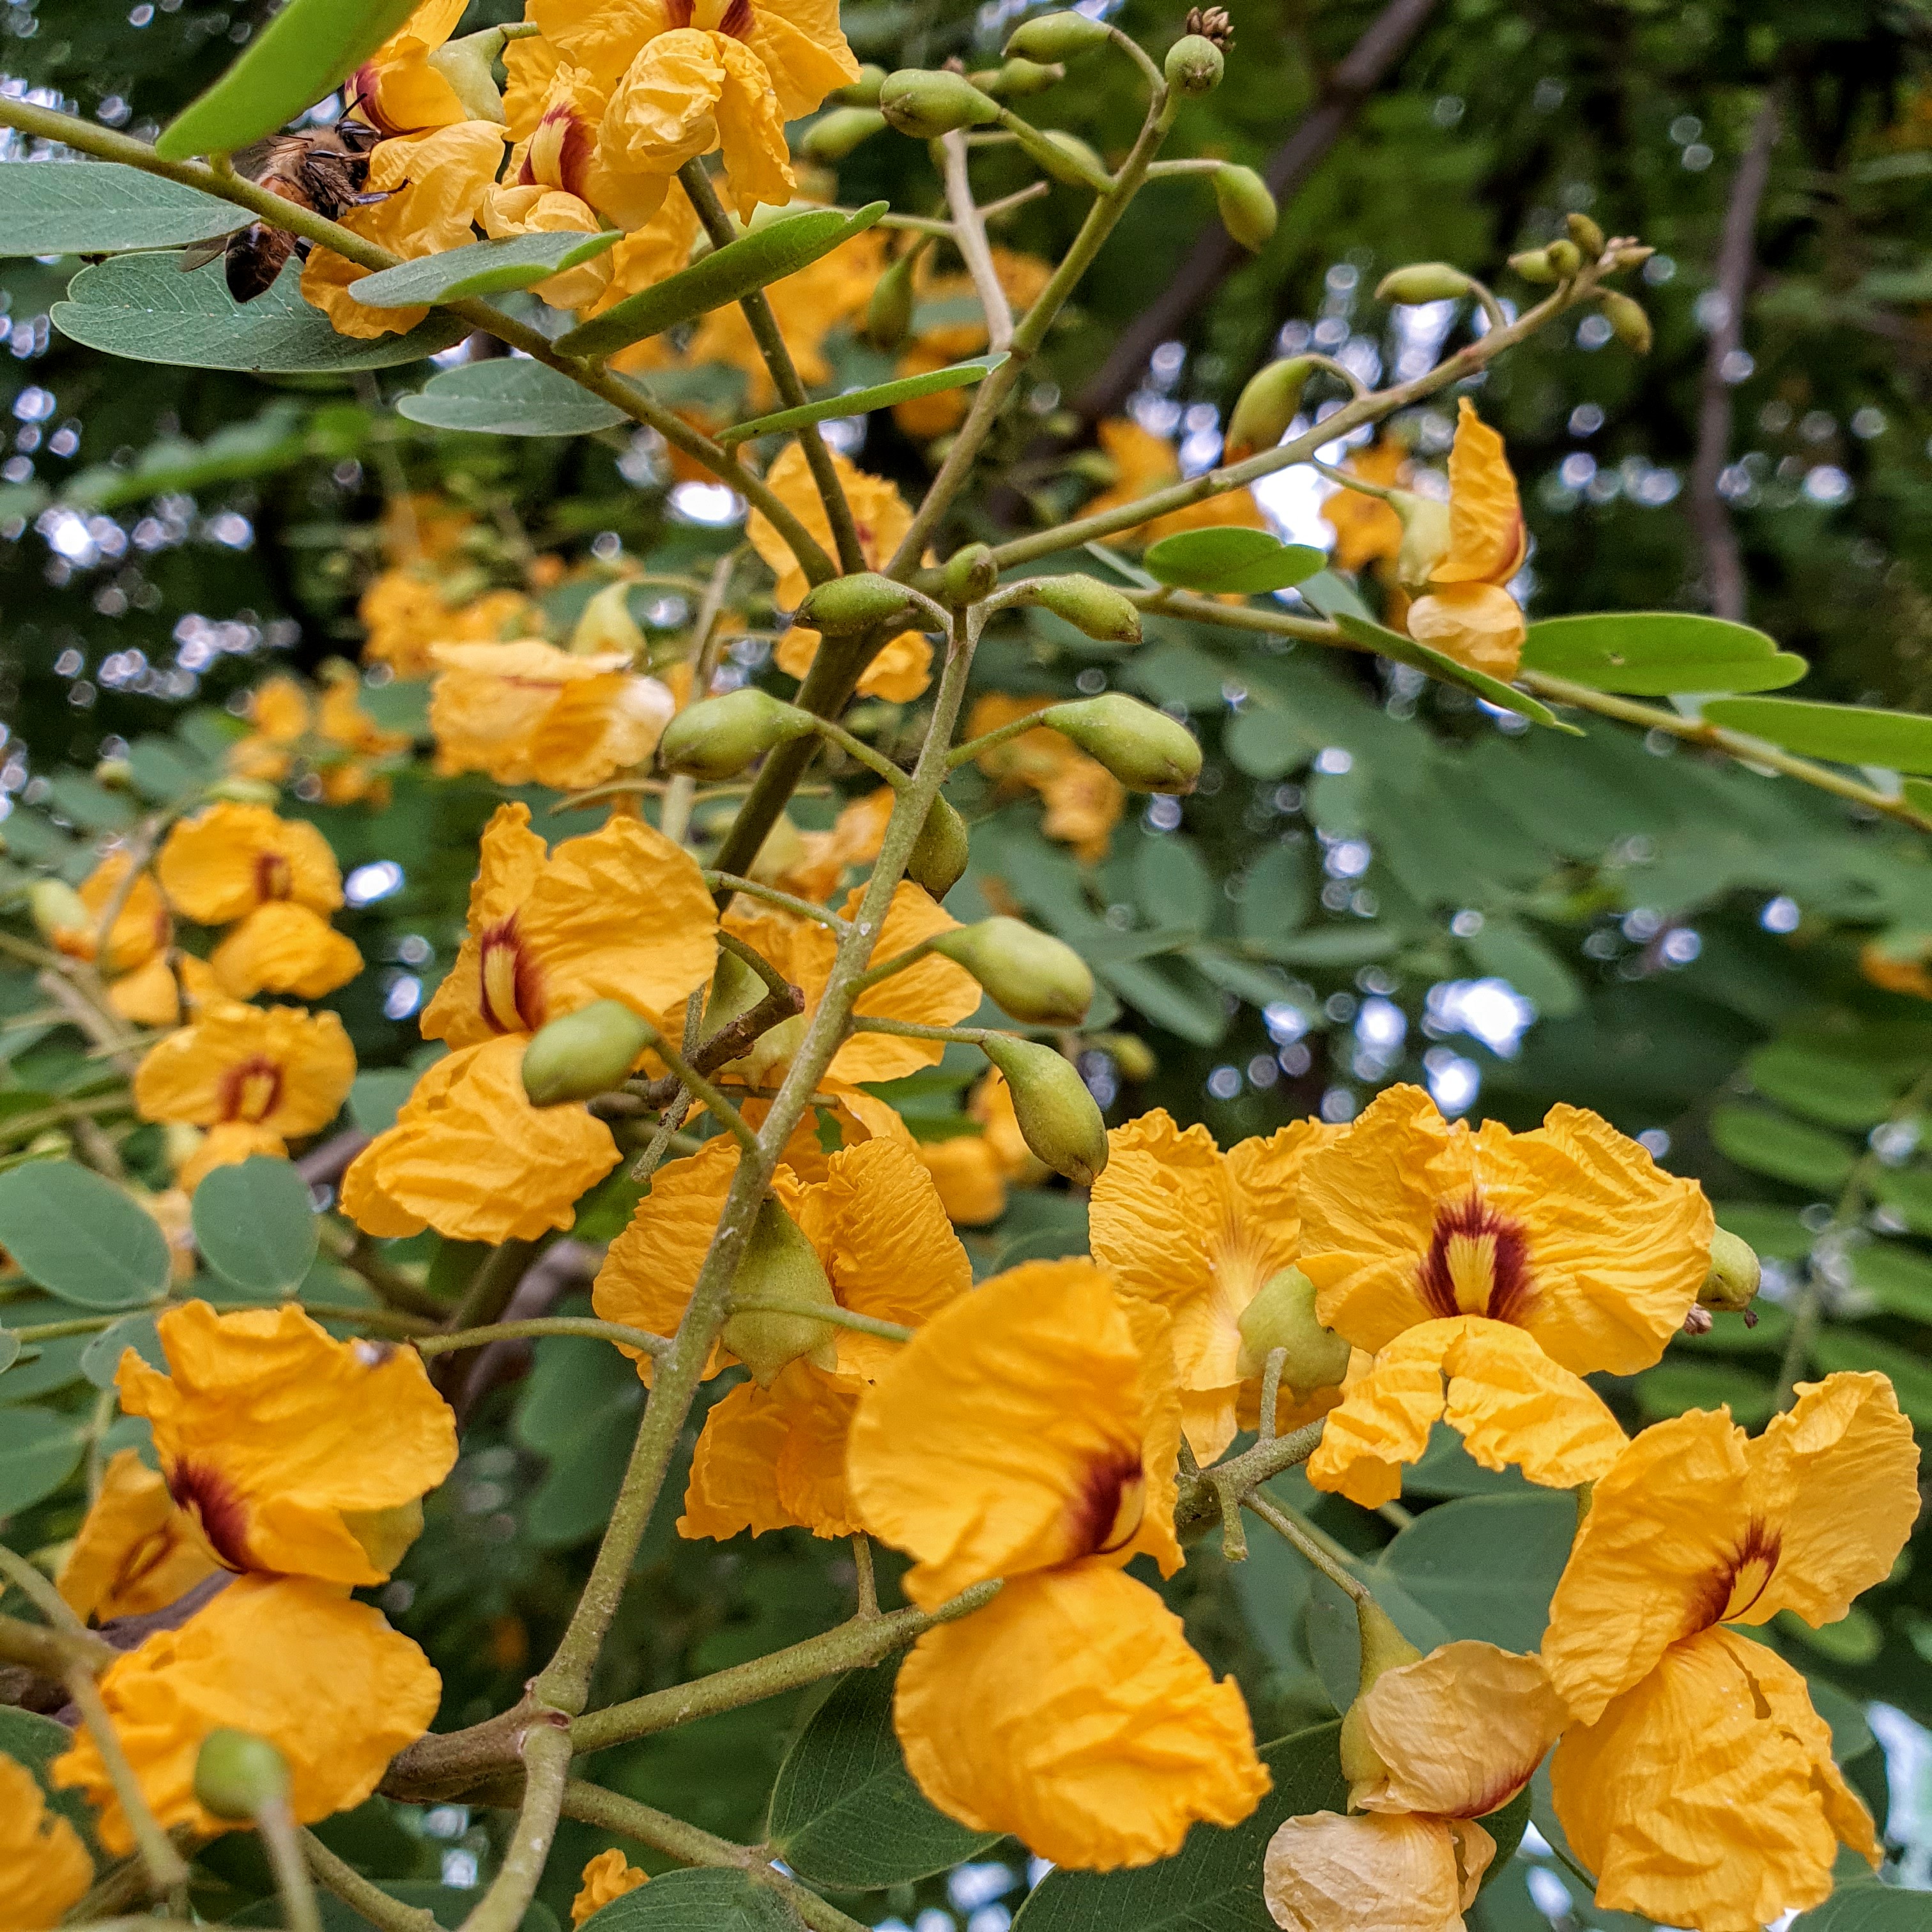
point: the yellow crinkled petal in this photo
(488, 698)
(773, 1460)
(1486, 537)
(276, 1068)
(1512, 1404)
(598, 728)
(1652, 1561)
(136, 1551)
(528, 66)
(750, 129)
(1013, 1433)
(804, 50)
(1386, 1873)
(935, 992)
(662, 111)
(1479, 625)
(228, 1144)
(972, 1184)
(898, 672)
(149, 996)
(532, 208)
(1384, 1417)
(1461, 1730)
(224, 862)
(606, 38)
(608, 1876)
(44, 1867)
(1691, 1798)
(141, 927)
(1071, 1712)
(326, 1680)
(284, 948)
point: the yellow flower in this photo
(141, 927)
(1143, 463)
(1698, 1782)
(1367, 530)
(293, 1453)
(395, 89)
(1084, 800)
(137, 1550)
(619, 914)
(1465, 613)
(900, 670)
(285, 949)
(1194, 1231)
(972, 1171)
(434, 184)
(226, 862)
(1514, 1264)
(325, 1679)
(608, 1876)
(405, 614)
(44, 1867)
(1897, 963)
(527, 711)
(340, 719)
(226, 1144)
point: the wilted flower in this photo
(1464, 611)
(608, 1876)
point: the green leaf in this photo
(40, 1448)
(1907, 1191)
(101, 1357)
(42, 1366)
(1778, 1232)
(727, 275)
(1672, 1387)
(142, 306)
(705, 1899)
(1213, 1882)
(1854, 1641)
(481, 268)
(256, 1225)
(1835, 1348)
(35, 1741)
(1172, 882)
(1898, 1280)
(403, 704)
(81, 1237)
(1280, 894)
(449, 1905)
(1513, 953)
(376, 1097)
(1336, 946)
(10, 1349)
(305, 52)
(91, 806)
(862, 402)
(1867, 1908)
(1849, 734)
(1821, 1086)
(1486, 1566)
(163, 770)
(1250, 562)
(1447, 1469)
(509, 396)
(1654, 653)
(1379, 638)
(1786, 1149)
(845, 1812)
(1917, 792)
(100, 207)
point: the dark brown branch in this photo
(728, 1043)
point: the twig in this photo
(613, 1332)
(838, 1317)
(388, 1914)
(1287, 1524)
(53, 1653)
(46, 1599)
(868, 1579)
(277, 1827)
(545, 1747)
(674, 818)
(733, 882)
(969, 235)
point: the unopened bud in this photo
(1017, 79)
(1565, 257)
(940, 852)
(1248, 211)
(1533, 265)
(1131, 1054)
(607, 624)
(735, 990)
(888, 314)
(1383, 1648)
(467, 65)
(1036, 978)
(57, 908)
(584, 1053)
(1282, 1315)
(1144, 748)
(969, 575)
(1423, 282)
(780, 1265)
(849, 604)
(1425, 537)
(1055, 37)
(1731, 1284)
(1270, 403)
(237, 1773)
(1095, 609)
(718, 737)
(245, 791)
(114, 775)
(863, 92)
(926, 104)
(1195, 64)
(1627, 318)
(832, 136)
(1068, 159)
(1587, 236)
(1631, 257)
(1058, 1118)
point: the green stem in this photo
(839, 1318)
(278, 1829)
(775, 981)
(732, 882)
(492, 1285)
(549, 1324)
(52, 1652)
(856, 748)
(674, 817)
(1291, 1528)
(164, 1865)
(46, 1599)
(545, 1747)
(371, 1901)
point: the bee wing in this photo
(199, 254)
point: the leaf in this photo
(143, 307)
(1821, 1086)
(1212, 1883)
(305, 52)
(1836, 1348)
(403, 704)
(10, 1349)
(256, 1225)
(42, 1366)
(1280, 894)
(1849, 734)
(1855, 1640)
(40, 1448)
(481, 268)
(376, 1097)
(509, 396)
(701, 1899)
(1447, 1469)
(1511, 952)
(449, 1905)
(81, 1237)
(1249, 562)
(1486, 1566)
(1338, 945)
(1379, 638)
(1867, 1908)
(101, 1357)
(1786, 1149)
(862, 402)
(100, 207)
(845, 1812)
(90, 804)
(727, 275)
(1654, 653)
(163, 771)
(1672, 1387)
(1777, 1232)
(1172, 882)
(35, 1741)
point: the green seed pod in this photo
(607, 624)
(1425, 537)
(1282, 1315)
(584, 1053)
(1627, 318)
(1533, 265)
(970, 574)
(926, 105)
(940, 852)
(1384, 1648)
(468, 65)
(1038, 978)
(57, 908)
(1270, 403)
(888, 314)
(863, 92)
(1144, 748)
(848, 604)
(1248, 211)
(1055, 36)
(1731, 1284)
(1195, 64)
(780, 1265)
(237, 1773)
(1565, 257)
(1058, 1118)
(718, 737)
(1095, 609)
(832, 136)
(1132, 1055)
(1587, 236)
(1068, 159)
(1423, 282)
(1017, 79)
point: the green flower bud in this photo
(1017, 79)
(1587, 236)
(57, 908)
(1038, 978)
(1054, 37)
(237, 1774)
(718, 737)
(469, 66)
(1423, 282)
(245, 791)
(1094, 609)
(1629, 258)
(888, 314)
(849, 604)
(1425, 537)
(970, 574)
(926, 105)
(1131, 1055)
(1282, 1315)
(1384, 1648)
(1533, 265)
(863, 92)
(1565, 258)
(114, 775)
(584, 1053)
(1195, 64)
(1732, 1283)
(607, 624)
(1068, 159)
(1144, 748)
(1248, 211)
(1270, 403)
(940, 853)
(1627, 318)
(1057, 1116)
(780, 1265)
(832, 136)
(735, 990)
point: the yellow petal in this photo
(1071, 1712)
(972, 1186)
(1384, 1417)
(898, 672)
(276, 1068)
(149, 996)
(285, 948)
(878, 509)
(1513, 1404)
(224, 862)
(1486, 537)
(136, 1551)
(750, 129)
(935, 992)
(661, 111)
(803, 49)
(1390, 1873)
(773, 1458)
(141, 927)
(228, 1144)
(44, 1868)
(597, 729)
(608, 1876)
(1478, 624)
